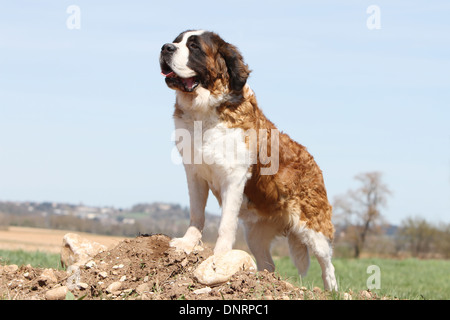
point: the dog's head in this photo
(202, 59)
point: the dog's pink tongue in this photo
(169, 74)
(188, 82)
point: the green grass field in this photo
(35, 259)
(404, 279)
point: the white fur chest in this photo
(211, 151)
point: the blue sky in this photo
(85, 115)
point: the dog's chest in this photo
(213, 151)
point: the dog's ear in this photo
(238, 71)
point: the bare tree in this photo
(424, 239)
(360, 210)
(418, 235)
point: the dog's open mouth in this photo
(172, 79)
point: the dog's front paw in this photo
(186, 245)
(222, 248)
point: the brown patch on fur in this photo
(178, 113)
(297, 189)
(225, 65)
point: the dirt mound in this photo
(144, 268)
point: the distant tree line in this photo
(361, 227)
(423, 239)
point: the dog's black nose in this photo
(168, 47)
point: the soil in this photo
(146, 268)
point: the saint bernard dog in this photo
(264, 178)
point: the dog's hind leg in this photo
(299, 254)
(321, 248)
(259, 236)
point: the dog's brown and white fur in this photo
(209, 76)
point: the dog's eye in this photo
(193, 46)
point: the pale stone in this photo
(289, 285)
(10, 269)
(74, 278)
(220, 268)
(114, 287)
(366, 294)
(82, 285)
(57, 293)
(317, 290)
(77, 250)
(48, 276)
(202, 290)
(142, 288)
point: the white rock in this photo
(142, 288)
(289, 285)
(202, 290)
(82, 285)
(57, 293)
(11, 268)
(366, 294)
(48, 276)
(347, 296)
(74, 278)
(220, 268)
(77, 250)
(114, 287)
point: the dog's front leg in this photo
(198, 195)
(231, 203)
